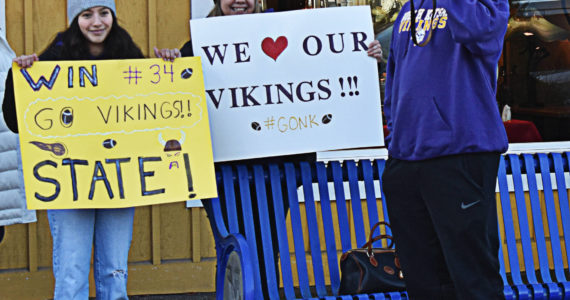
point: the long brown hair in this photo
(73, 44)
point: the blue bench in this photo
(312, 235)
(538, 239)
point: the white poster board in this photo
(289, 82)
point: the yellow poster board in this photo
(114, 133)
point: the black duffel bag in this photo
(371, 270)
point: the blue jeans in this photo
(74, 232)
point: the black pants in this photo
(1, 233)
(444, 219)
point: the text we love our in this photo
(305, 90)
(312, 45)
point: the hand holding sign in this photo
(109, 134)
(277, 85)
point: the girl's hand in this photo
(167, 54)
(375, 50)
(26, 61)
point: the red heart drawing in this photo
(274, 48)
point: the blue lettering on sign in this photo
(143, 174)
(71, 163)
(36, 86)
(99, 175)
(117, 163)
(91, 77)
(47, 180)
(96, 177)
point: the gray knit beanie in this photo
(75, 7)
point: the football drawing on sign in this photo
(58, 149)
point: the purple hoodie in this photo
(440, 99)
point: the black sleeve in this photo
(186, 50)
(9, 104)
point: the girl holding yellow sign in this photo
(93, 34)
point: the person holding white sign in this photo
(241, 7)
(93, 34)
(446, 138)
(225, 8)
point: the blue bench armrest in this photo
(228, 248)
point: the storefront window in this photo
(534, 71)
(534, 77)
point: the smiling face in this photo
(95, 23)
(237, 7)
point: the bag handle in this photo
(372, 239)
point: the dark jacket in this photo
(186, 50)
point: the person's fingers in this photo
(173, 54)
(17, 61)
(29, 60)
(167, 55)
(374, 43)
(26, 61)
(375, 49)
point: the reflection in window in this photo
(534, 77)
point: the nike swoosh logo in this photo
(466, 206)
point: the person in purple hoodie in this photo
(444, 146)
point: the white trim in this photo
(346, 188)
(538, 147)
(382, 153)
(355, 154)
(379, 153)
(194, 203)
(538, 182)
(362, 190)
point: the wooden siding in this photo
(173, 248)
(32, 24)
(172, 252)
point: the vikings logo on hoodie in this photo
(440, 98)
(424, 21)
